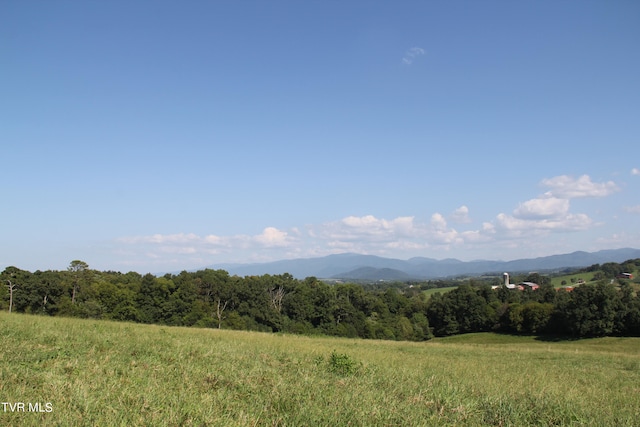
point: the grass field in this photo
(557, 281)
(119, 374)
(586, 277)
(430, 292)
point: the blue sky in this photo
(160, 136)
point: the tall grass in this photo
(105, 373)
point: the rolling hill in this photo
(371, 267)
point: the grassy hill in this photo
(430, 292)
(587, 277)
(106, 373)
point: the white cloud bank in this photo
(567, 187)
(550, 212)
(401, 236)
(542, 208)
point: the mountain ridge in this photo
(371, 266)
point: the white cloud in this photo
(567, 187)
(178, 238)
(353, 227)
(461, 215)
(529, 222)
(438, 222)
(185, 250)
(204, 246)
(361, 222)
(445, 237)
(439, 233)
(361, 234)
(411, 54)
(369, 234)
(633, 209)
(542, 208)
(214, 240)
(619, 240)
(520, 227)
(635, 171)
(550, 212)
(271, 236)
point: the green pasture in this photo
(556, 281)
(119, 374)
(430, 292)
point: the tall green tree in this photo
(627, 320)
(591, 310)
(78, 270)
(153, 297)
(12, 277)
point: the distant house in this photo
(627, 276)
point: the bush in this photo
(342, 364)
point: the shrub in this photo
(342, 364)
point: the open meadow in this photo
(430, 292)
(73, 372)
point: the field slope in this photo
(84, 372)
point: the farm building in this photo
(520, 286)
(505, 276)
(531, 285)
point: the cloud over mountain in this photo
(535, 218)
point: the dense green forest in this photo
(282, 303)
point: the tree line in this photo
(596, 309)
(281, 303)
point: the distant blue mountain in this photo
(375, 274)
(370, 267)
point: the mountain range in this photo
(370, 267)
